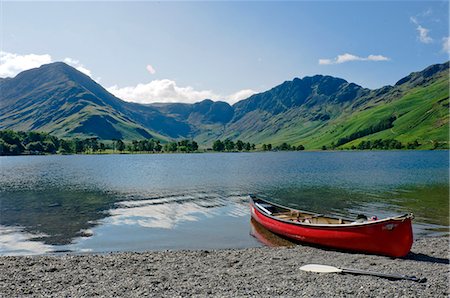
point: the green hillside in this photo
(316, 112)
(416, 109)
(421, 114)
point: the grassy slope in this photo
(422, 114)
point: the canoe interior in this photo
(296, 215)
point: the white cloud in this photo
(446, 44)
(424, 36)
(239, 95)
(155, 91)
(11, 64)
(151, 69)
(377, 58)
(350, 57)
(80, 67)
(168, 91)
(325, 61)
(160, 91)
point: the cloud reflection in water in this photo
(167, 213)
(14, 241)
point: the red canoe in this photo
(390, 236)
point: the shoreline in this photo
(262, 271)
(228, 152)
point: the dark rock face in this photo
(417, 78)
(309, 91)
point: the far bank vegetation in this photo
(37, 143)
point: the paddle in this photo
(331, 269)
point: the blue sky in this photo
(187, 51)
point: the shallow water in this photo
(100, 203)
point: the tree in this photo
(239, 145)
(4, 147)
(324, 147)
(66, 146)
(158, 146)
(79, 146)
(269, 147)
(218, 146)
(120, 145)
(49, 147)
(170, 147)
(229, 145)
(35, 147)
(300, 148)
(247, 146)
(135, 146)
(264, 147)
(15, 149)
(194, 146)
(285, 146)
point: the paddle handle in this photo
(390, 276)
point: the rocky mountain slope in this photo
(313, 111)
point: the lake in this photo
(102, 203)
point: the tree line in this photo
(33, 143)
(283, 147)
(380, 144)
(19, 142)
(229, 145)
(16, 143)
(380, 126)
(385, 145)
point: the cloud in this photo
(446, 44)
(80, 67)
(11, 64)
(168, 91)
(239, 95)
(151, 69)
(350, 57)
(155, 91)
(424, 36)
(160, 91)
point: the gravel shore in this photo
(265, 271)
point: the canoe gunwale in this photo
(322, 226)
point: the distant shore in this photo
(111, 152)
(259, 272)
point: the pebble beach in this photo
(250, 272)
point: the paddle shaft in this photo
(390, 276)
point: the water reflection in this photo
(429, 203)
(168, 213)
(145, 202)
(55, 216)
(266, 237)
(16, 241)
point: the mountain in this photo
(313, 111)
(321, 111)
(57, 98)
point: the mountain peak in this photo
(420, 77)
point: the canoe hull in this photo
(393, 237)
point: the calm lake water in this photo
(101, 203)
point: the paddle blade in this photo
(320, 268)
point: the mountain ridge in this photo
(57, 98)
